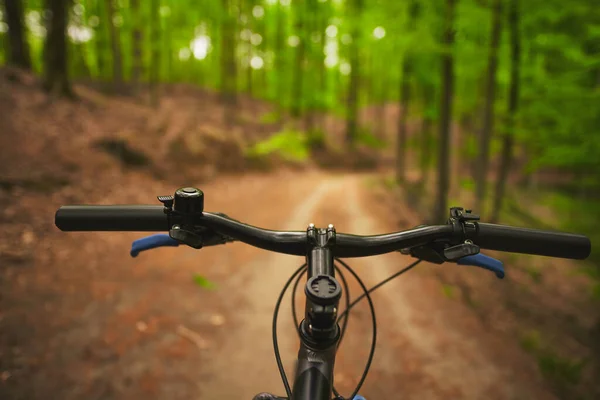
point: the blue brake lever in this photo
(483, 261)
(152, 242)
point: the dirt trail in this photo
(423, 352)
(247, 366)
(110, 326)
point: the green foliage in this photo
(562, 371)
(389, 182)
(315, 139)
(467, 184)
(449, 291)
(531, 341)
(367, 138)
(270, 118)
(288, 144)
(534, 273)
(204, 283)
(596, 291)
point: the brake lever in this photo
(463, 254)
(198, 238)
(485, 262)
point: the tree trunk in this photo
(100, 41)
(246, 6)
(353, 86)
(488, 110)
(168, 51)
(155, 55)
(81, 65)
(513, 103)
(298, 82)
(115, 43)
(228, 65)
(56, 79)
(426, 143)
(18, 53)
(404, 101)
(314, 62)
(280, 54)
(136, 44)
(443, 183)
(323, 78)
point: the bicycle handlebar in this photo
(487, 236)
(532, 241)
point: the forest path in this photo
(112, 327)
(422, 352)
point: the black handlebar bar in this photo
(488, 236)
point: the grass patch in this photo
(530, 341)
(389, 182)
(448, 291)
(204, 283)
(534, 273)
(315, 139)
(365, 137)
(270, 118)
(561, 371)
(467, 184)
(596, 291)
(288, 144)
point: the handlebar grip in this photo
(112, 218)
(532, 241)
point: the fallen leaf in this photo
(203, 282)
(141, 326)
(217, 319)
(27, 237)
(192, 336)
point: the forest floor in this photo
(79, 318)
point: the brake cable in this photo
(373, 340)
(286, 384)
(345, 314)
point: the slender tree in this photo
(247, 7)
(228, 64)
(513, 104)
(155, 51)
(485, 135)
(404, 104)
(298, 82)
(115, 44)
(168, 46)
(356, 8)
(280, 56)
(136, 40)
(446, 99)
(56, 78)
(314, 62)
(100, 38)
(425, 146)
(405, 98)
(18, 53)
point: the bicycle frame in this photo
(319, 331)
